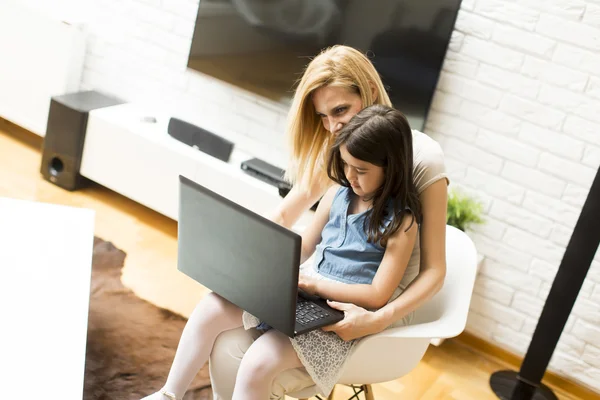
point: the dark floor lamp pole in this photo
(526, 384)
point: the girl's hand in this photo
(308, 284)
(357, 322)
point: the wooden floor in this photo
(451, 371)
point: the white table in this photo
(45, 272)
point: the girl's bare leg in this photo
(267, 357)
(212, 316)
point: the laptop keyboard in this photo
(308, 312)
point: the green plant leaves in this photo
(463, 210)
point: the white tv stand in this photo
(141, 161)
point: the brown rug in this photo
(131, 343)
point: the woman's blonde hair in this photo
(309, 141)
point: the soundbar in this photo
(200, 139)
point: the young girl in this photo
(364, 231)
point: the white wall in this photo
(517, 112)
(32, 71)
(138, 49)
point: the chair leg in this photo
(358, 389)
(368, 392)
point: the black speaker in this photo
(200, 139)
(527, 383)
(65, 136)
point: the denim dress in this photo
(343, 255)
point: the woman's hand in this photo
(357, 322)
(308, 284)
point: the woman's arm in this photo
(312, 235)
(359, 322)
(295, 203)
(389, 274)
(433, 256)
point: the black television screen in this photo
(263, 45)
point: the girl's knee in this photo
(216, 312)
(211, 301)
(213, 304)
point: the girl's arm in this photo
(295, 203)
(312, 235)
(359, 322)
(391, 270)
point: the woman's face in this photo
(336, 105)
(364, 177)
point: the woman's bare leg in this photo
(227, 354)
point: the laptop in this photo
(247, 259)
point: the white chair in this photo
(394, 352)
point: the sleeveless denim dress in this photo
(344, 255)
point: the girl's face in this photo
(336, 105)
(364, 177)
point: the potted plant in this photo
(463, 210)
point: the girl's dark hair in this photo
(380, 135)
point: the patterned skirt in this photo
(323, 354)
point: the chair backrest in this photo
(450, 305)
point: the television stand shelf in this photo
(132, 154)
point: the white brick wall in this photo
(542, 133)
(524, 219)
(512, 82)
(480, 325)
(568, 9)
(572, 346)
(502, 314)
(503, 146)
(554, 74)
(474, 25)
(517, 111)
(533, 178)
(593, 87)
(494, 290)
(552, 141)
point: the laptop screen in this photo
(238, 254)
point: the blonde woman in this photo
(335, 86)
